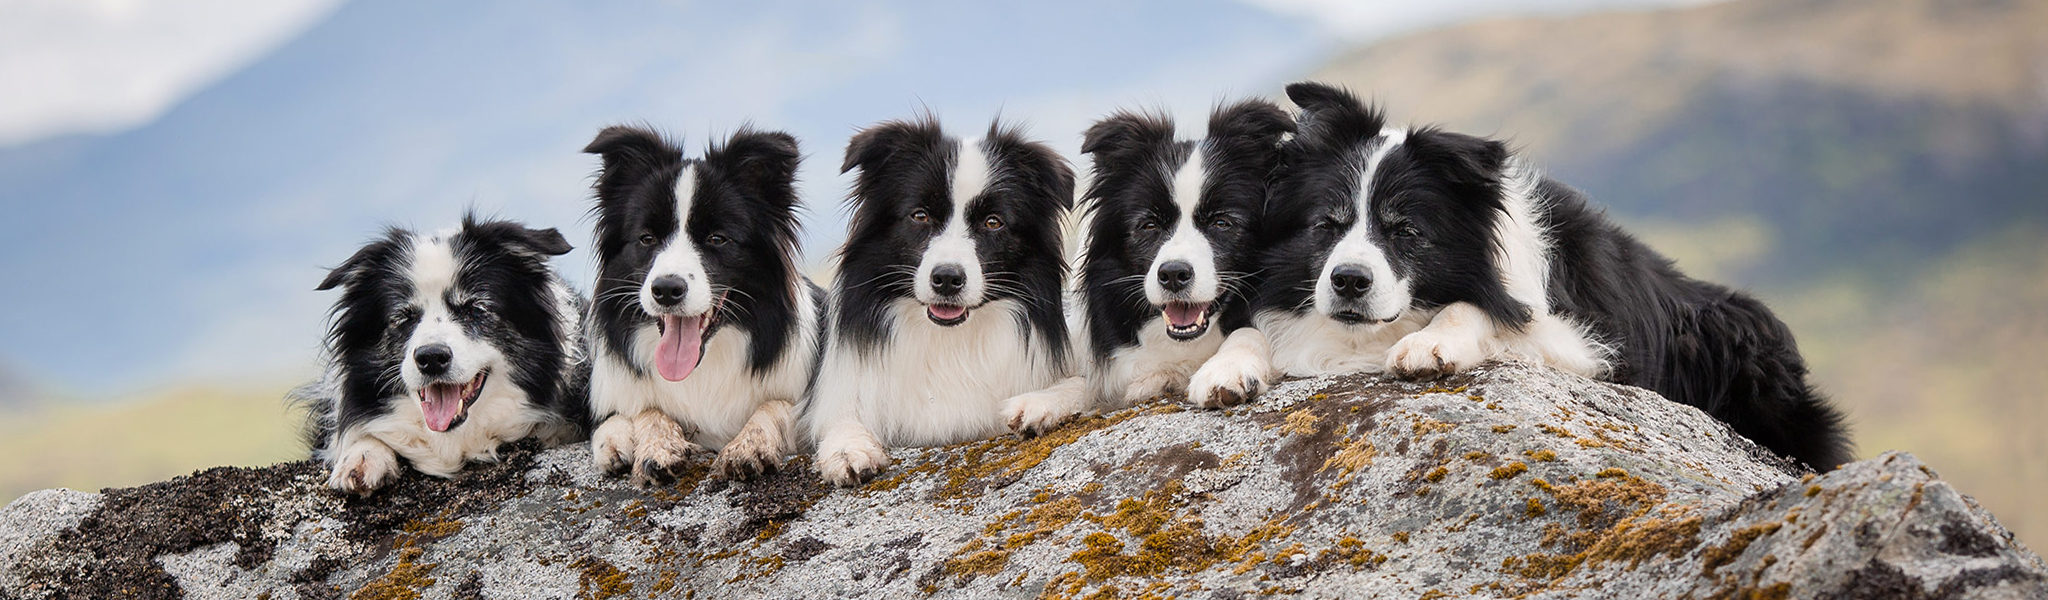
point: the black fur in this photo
(745, 193)
(502, 262)
(1438, 197)
(1130, 198)
(904, 167)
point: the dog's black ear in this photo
(630, 152)
(1333, 113)
(877, 143)
(1044, 171)
(1257, 121)
(546, 241)
(345, 272)
(1126, 131)
(765, 160)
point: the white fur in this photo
(1389, 294)
(955, 243)
(1310, 344)
(1157, 365)
(680, 258)
(932, 385)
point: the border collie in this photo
(444, 346)
(947, 302)
(703, 332)
(1170, 250)
(1459, 252)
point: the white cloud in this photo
(83, 66)
(1369, 19)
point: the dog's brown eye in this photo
(992, 222)
(1219, 223)
(1406, 231)
(716, 240)
(648, 239)
(1148, 225)
(920, 216)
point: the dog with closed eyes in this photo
(1421, 251)
(947, 302)
(703, 333)
(442, 347)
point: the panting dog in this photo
(1421, 251)
(1167, 266)
(442, 347)
(947, 302)
(703, 332)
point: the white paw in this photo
(1225, 381)
(1149, 386)
(1033, 414)
(851, 463)
(748, 456)
(611, 446)
(363, 468)
(1426, 354)
(660, 456)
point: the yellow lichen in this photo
(1436, 475)
(1716, 557)
(1503, 428)
(403, 582)
(1541, 455)
(1510, 470)
(1534, 509)
(1300, 422)
(600, 580)
(1351, 457)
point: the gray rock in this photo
(1513, 481)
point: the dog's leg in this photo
(1555, 341)
(759, 447)
(1456, 340)
(1034, 413)
(363, 465)
(1236, 374)
(1151, 385)
(611, 446)
(662, 449)
(848, 454)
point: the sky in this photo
(222, 150)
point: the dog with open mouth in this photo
(947, 302)
(1167, 266)
(442, 347)
(1423, 252)
(704, 333)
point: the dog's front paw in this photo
(658, 462)
(611, 446)
(1427, 354)
(362, 469)
(1033, 414)
(1226, 381)
(852, 463)
(748, 456)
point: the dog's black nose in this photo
(947, 280)
(1350, 281)
(433, 359)
(668, 291)
(1175, 275)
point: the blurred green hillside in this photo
(1875, 169)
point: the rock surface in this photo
(1513, 481)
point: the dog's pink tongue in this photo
(442, 404)
(1182, 314)
(947, 311)
(681, 339)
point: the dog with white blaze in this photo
(443, 347)
(704, 333)
(947, 303)
(1167, 266)
(1424, 252)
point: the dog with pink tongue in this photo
(703, 333)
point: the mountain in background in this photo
(1877, 170)
(188, 248)
(1876, 133)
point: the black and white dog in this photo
(1425, 252)
(947, 303)
(704, 331)
(444, 346)
(1165, 272)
